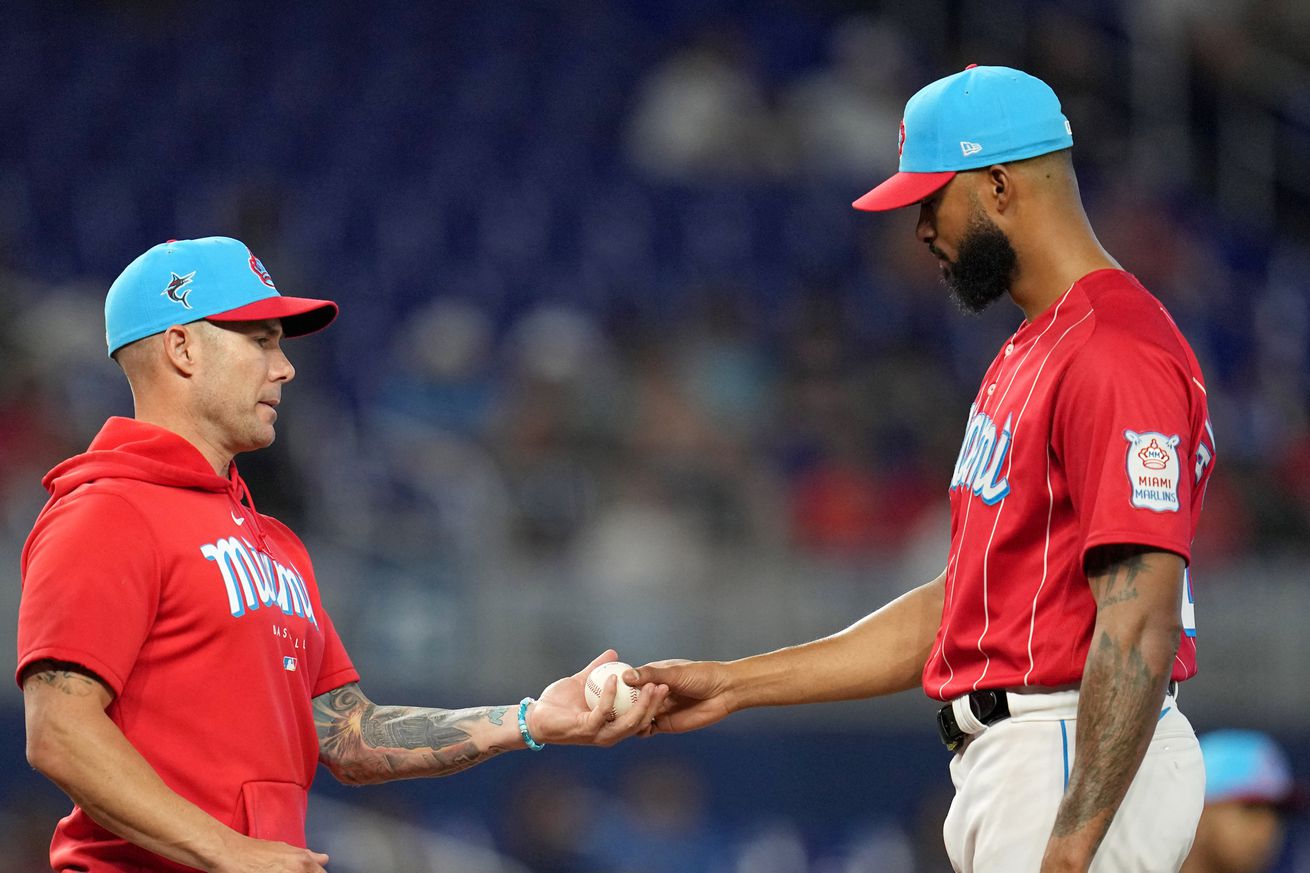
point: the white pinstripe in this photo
(987, 619)
(1046, 555)
(964, 525)
(964, 522)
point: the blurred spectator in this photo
(776, 847)
(1248, 792)
(702, 114)
(696, 437)
(440, 376)
(430, 417)
(723, 366)
(364, 838)
(1071, 48)
(882, 848)
(639, 548)
(844, 117)
(550, 814)
(658, 824)
(839, 503)
(558, 411)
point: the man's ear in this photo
(1000, 186)
(182, 347)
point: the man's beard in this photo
(983, 267)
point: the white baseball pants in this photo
(1009, 780)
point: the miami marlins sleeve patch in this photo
(1153, 470)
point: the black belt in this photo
(988, 707)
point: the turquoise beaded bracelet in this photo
(523, 725)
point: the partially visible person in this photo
(1248, 793)
(181, 676)
(1062, 623)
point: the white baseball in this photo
(623, 700)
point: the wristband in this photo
(523, 725)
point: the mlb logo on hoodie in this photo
(289, 664)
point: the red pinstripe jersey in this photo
(1090, 428)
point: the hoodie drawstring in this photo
(240, 495)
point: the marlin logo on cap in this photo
(177, 289)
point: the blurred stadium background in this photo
(618, 366)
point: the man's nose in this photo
(925, 230)
(283, 370)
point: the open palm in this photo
(561, 714)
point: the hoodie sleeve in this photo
(90, 590)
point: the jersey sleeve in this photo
(91, 587)
(1120, 430)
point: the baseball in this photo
(623, 700)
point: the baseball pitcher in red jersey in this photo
(1060, 629)
(181, 677)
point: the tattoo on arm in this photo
(1110, 737)
(1123, 683)
(66, 677)
(1112, 572)
(363, 742)
(69, 682)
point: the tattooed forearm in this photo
(363, 742)
(1116, 715)
(1134, 642)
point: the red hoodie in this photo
(200, 614)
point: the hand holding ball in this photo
(623, 699)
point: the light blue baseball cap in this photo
(214, 278)
(975, 118)
(1247, 767)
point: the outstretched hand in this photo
(561, 714)
(699, 694)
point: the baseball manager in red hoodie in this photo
(181, 675)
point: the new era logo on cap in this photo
(214, 278)
(974, 118)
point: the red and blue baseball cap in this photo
(975, 118)
(214, 278)
(1245, 766)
